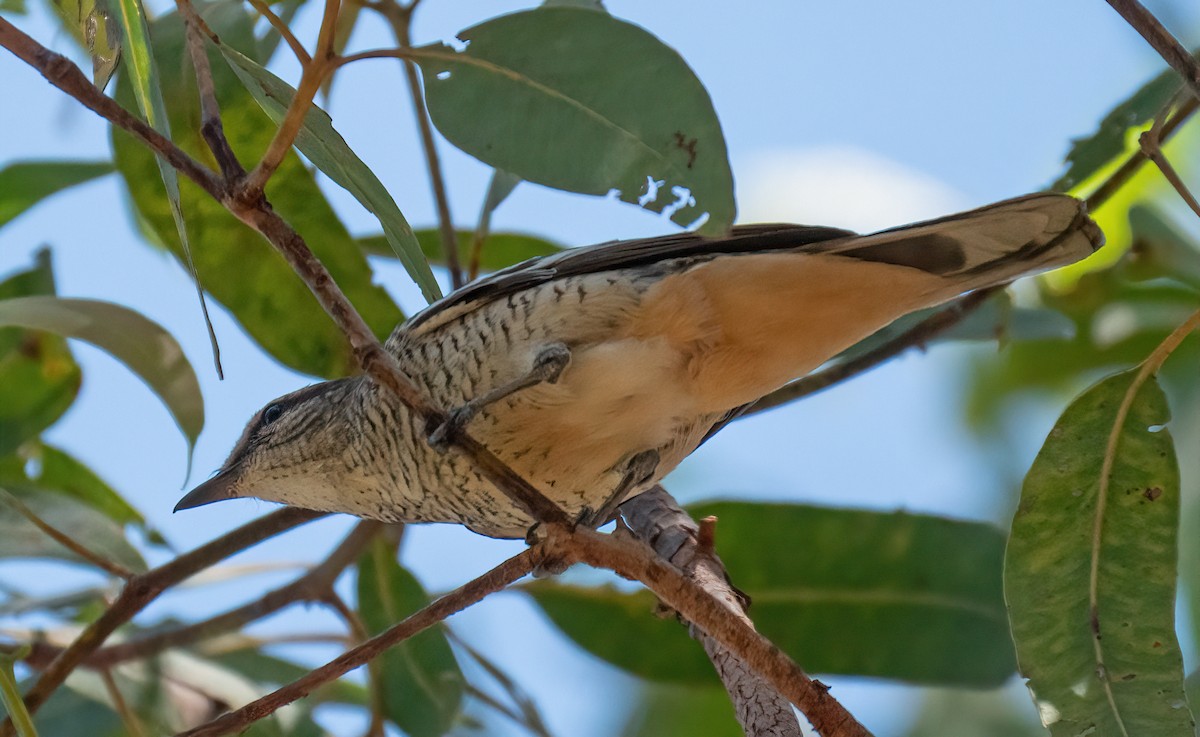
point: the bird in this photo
(595, 371)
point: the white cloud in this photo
(839, 185)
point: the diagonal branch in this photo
(654, 516)
(60, 72)
(1157, 35)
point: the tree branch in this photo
(60, 72)
(635, 560)
(654, 517)
(1157, 35)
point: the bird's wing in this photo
(952, 246)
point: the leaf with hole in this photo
(578, 100)
(1090, 570)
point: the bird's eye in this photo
(272, 413)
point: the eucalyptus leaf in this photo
(1090, 571)
(235, 265)
(551, 96)
(144, 346)
(24, 184)
(48, 468)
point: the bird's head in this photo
(295, 450)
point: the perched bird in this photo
(595, 371)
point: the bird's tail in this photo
(988, 246)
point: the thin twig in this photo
(494, 580)
(1150, 146)
(311, 80)
(133, 725)
(63, 74)
(1134, 163)
(212, 130)
(140, 590)
(633, 559)
(284, 31)
(400, 19)
(1157, 35)
(65, 540)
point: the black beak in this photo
(216, 489)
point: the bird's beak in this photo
(218, 488)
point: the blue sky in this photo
(860, 114)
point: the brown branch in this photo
(1134, 163)
(312, 586)
(654, 516)
(1157, 35)
(470, 593)
(284, 31)
(133, 725)
(65, 540)
(635, 560)
(1151, 146)
(140, 590)
(400, 19)
(917, 335)
(60, 72)
(311, 80)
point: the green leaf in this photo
(1112, 138)
(93, 26)
(23, 184)
(16, 7)
(499, 250)
(235, 265)
(38, 377)
(20, 538)
(142, 345)
(1091, 567)
(422, 683)
(577, 100)
(891, 595)
(1161, 248)
(326, 148)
